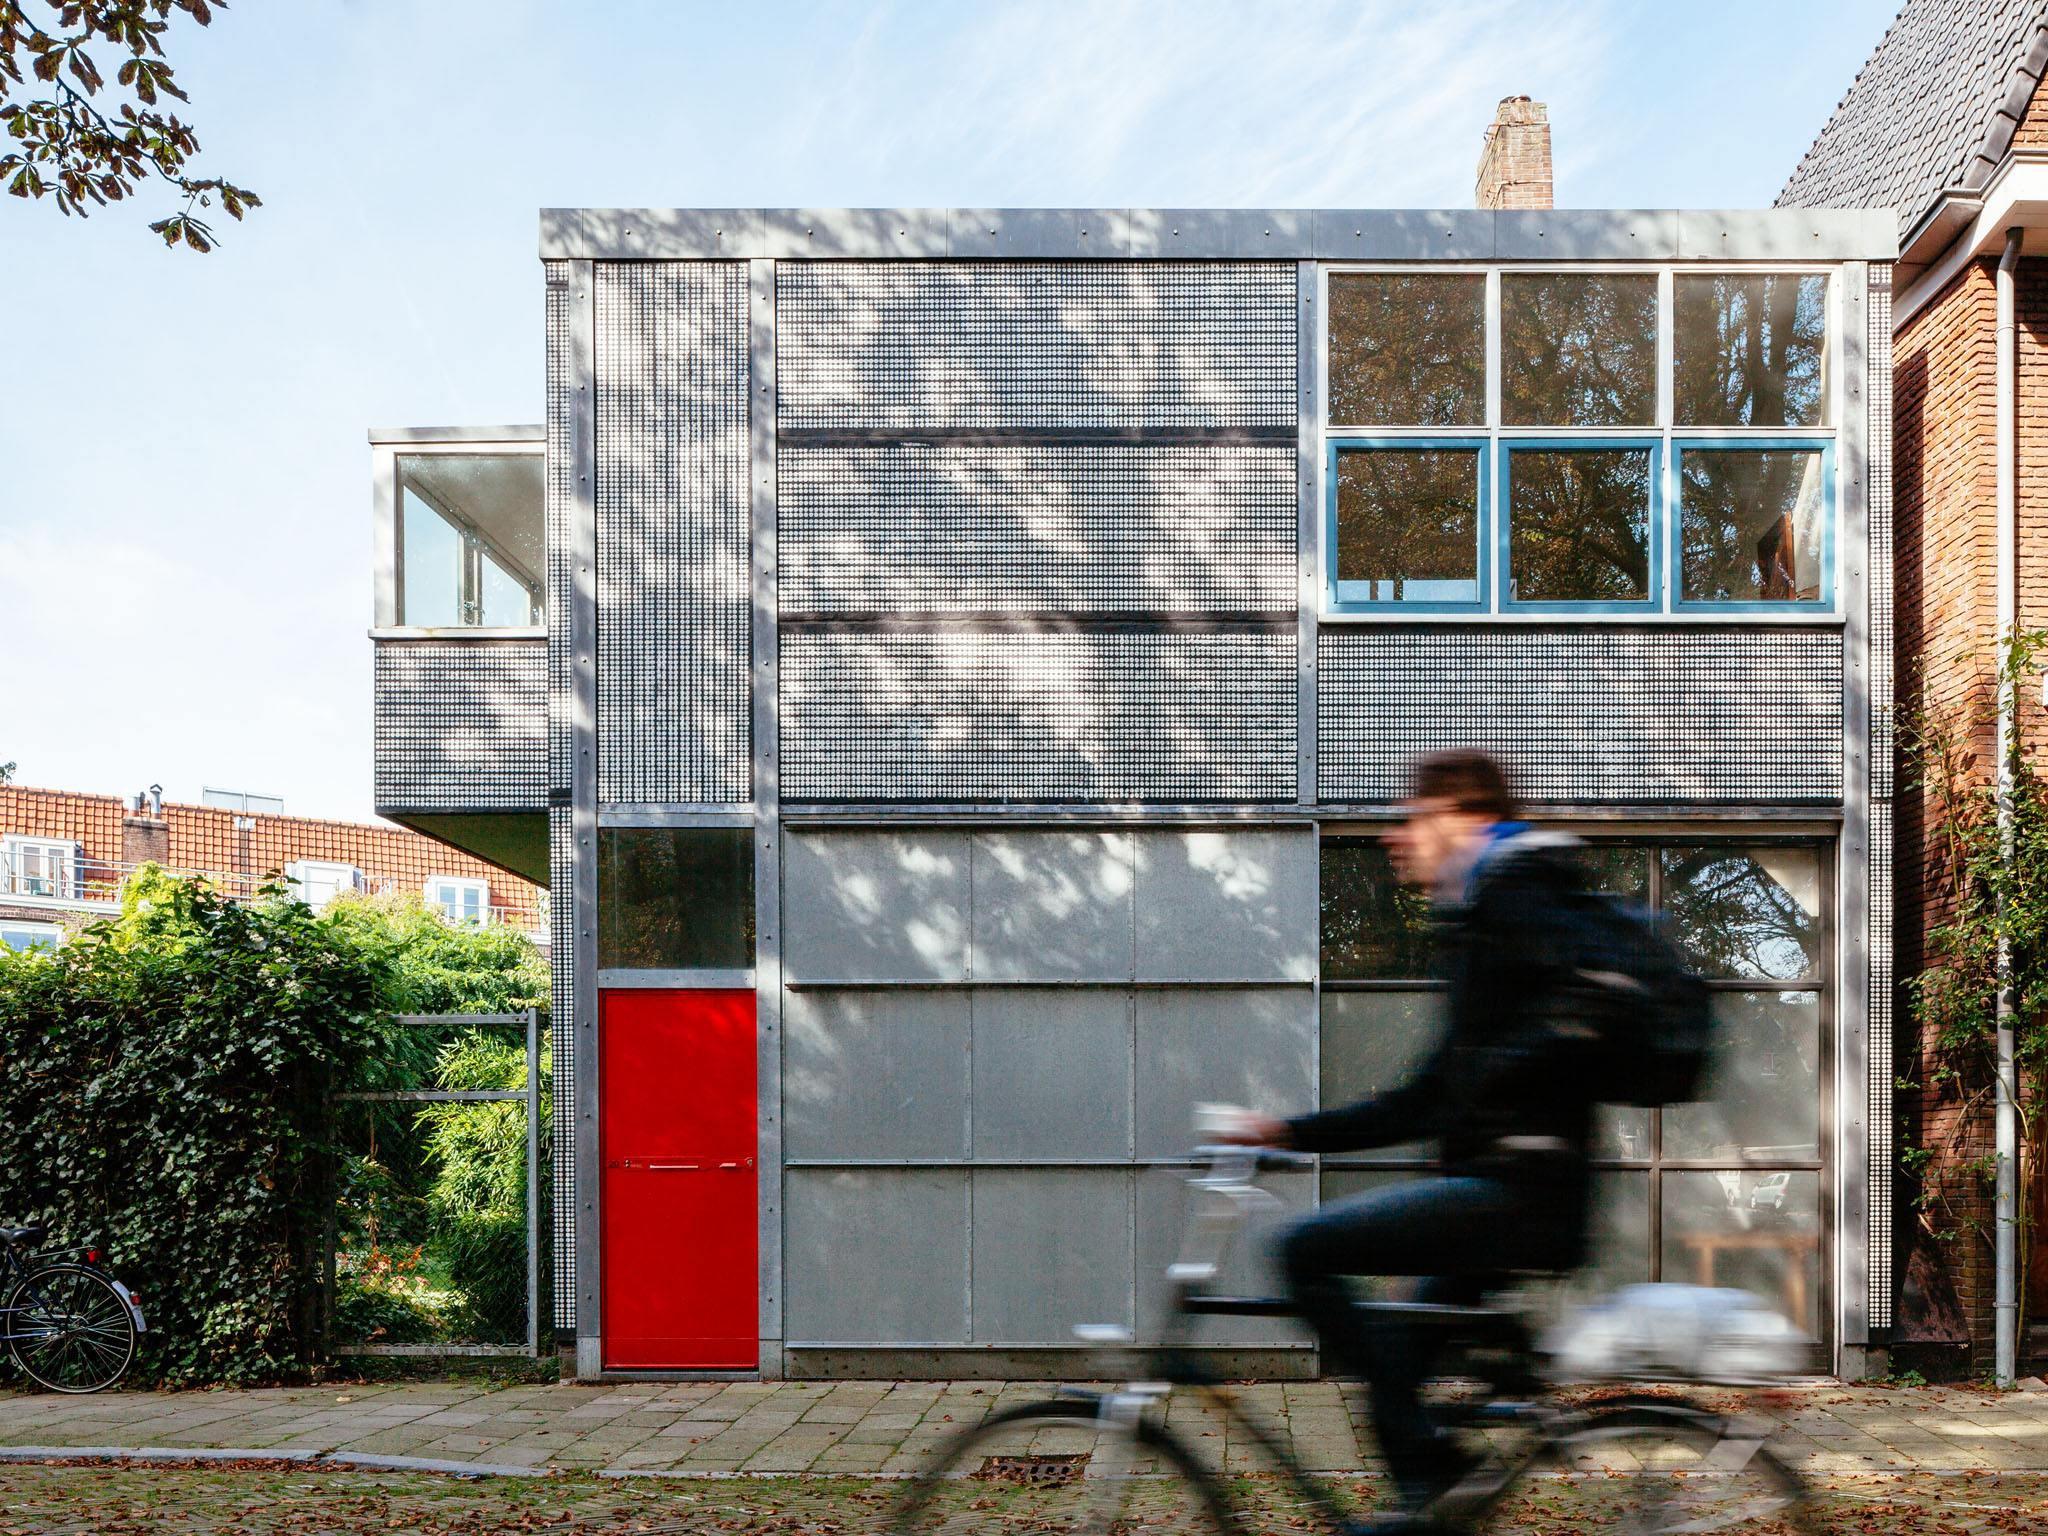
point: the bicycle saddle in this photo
(12, 1235)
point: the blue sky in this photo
(184, 511)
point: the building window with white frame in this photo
(23, 937)
(39, 866)
(1620, 441)
(317, 882)
(459, 900)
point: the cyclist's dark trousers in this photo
(1457, 1231)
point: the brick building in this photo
(64, 856)
(1946, 124)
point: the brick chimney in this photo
(145, 834)
(1514, 163)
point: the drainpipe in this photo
(2005, 1304)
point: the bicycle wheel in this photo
(68, 1329)
(1058, 1466)
(1659, 1468)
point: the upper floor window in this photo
(460, 901)
(23, 937)
(1621, 440)
(317, 882)
(39, 866)
(468, 549)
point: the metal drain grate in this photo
(1032, 1470)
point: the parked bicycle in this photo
(1107, 1461)
(69, 1325)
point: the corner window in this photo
(675, 898)
(1625, 440)
(316, 882)
(40, 866)
(469, 545)
(460, 901)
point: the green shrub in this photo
(164, 1087)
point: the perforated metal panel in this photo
(562, 1051)
(1037, 715)
(675, 632)
(953, 528)
(557, 491)
(1586, 714)
(461, 725)
(1040, 344)
(1880, 1115)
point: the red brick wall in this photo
(202, 838)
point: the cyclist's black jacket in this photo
(1504, 1093)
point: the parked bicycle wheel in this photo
(69, 1329)
(1683, 1469)
(1056, 1466)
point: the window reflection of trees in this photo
(1751, 523)
(1374, 927)
(1407, 349)
(1579, 525)
(1578, 350)
(1750, 350)
(1735, 918)
(1409, 516)
(675, 898)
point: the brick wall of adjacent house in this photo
(205, 839)
(1514, 159)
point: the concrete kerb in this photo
(173, 1453)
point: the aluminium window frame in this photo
(68, 884)
(386, 449)
(1481, 551)
(1496, 609)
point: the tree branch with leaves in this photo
(70, 136)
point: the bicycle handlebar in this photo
(1262, 1159)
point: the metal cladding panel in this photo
(1879, 459)
(1587, 715)
(876, 1074)
(1248, 1269)
(1051, 1248)
(1038, 715)
(1250, 1046)
(874, 906)
(1052, 1073)
(909, 345)
(1883, 751)
(875, 1255)
(1026, 528)
(461, 725)
(559, 499)
(1226, 905)
(673, 533)
(1881, 1114)
(562, 1050)
(1052, 906)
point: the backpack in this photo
(1623, 978)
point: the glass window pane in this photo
(1619, 869)
(675, 898)
(1408, 524)
(1374, 927)
(1407, 349)
(1371, 1043)
(430, 591)
(1756, 1232)
(1750, 351)
(1617, 1235)
(1752, 524)
(1578, 350)
(1763, 1096)
(488, 556)
(1746, 912)
(1579, 525)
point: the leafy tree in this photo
(66, 141)
(7, 772)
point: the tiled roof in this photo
(203, 838)
(1934, 107)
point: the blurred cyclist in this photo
(1503, 1095)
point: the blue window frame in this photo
(1650, 449)
(1383, 595)
(1811, 500)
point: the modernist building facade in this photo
(959, 662)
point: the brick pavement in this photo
(893, 1427)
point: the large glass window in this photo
(1629, 440)
(1727, 1191)
(470, 545)
(675, 898)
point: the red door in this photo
(677, 1088)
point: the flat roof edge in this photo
(1220, 234)
(515, 434)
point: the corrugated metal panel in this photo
(994, 528)
(1051, 1248)
(875, 1074)
(562, 1050)
(675, 642)
(1038, 715)
(1587, 715)
(1226, 904)
(908, 345)
(875, 1255)
(461, 725)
